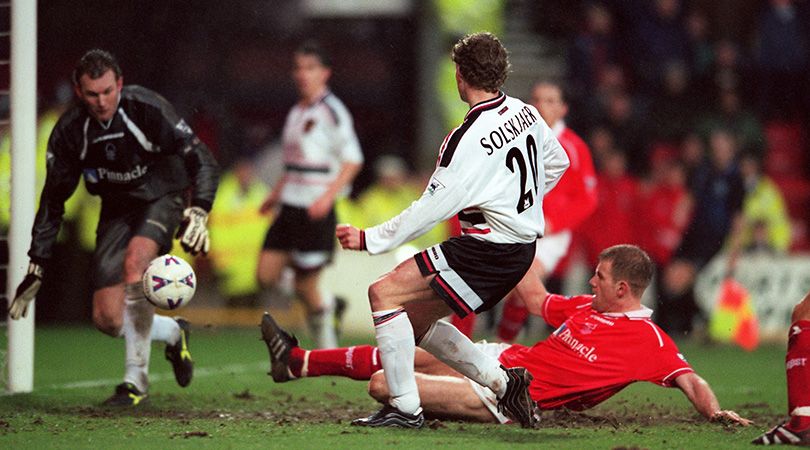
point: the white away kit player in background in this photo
(140, 157)
(321, 159)
(493, 171)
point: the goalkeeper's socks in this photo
(797, 363)
(136, 327)
(451, 347)
(165, 329)
(512, 320)
(397, 349)
(358, 362)
(465, 325)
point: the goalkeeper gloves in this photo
(192, 232)
(26, 291)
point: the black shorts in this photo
(312, 242)
(156, 220)
(474, 275)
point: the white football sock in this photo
(321, 324)
(397, 348)
(453, 348)
(165, 329)
(137, 326)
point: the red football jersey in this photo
(591, 356)
(575, 196)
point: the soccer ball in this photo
(169, 282)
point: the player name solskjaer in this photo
(99, 174)
(509, 130)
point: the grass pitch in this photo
(232, 403)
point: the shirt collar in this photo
(558, 128)
(643, 313)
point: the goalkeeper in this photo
(602, 343)
(140, 157)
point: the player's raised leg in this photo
(795, 431)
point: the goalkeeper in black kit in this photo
(140, 157)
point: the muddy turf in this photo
(232, 403)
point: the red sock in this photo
(797, 363)
(512, 319)
(465, 325)
(358, 362)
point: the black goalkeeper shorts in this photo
(156, 220)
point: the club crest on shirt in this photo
(109, 151)
(588, 328)
(434, 185)
(308, 125)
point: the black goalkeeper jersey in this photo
(143, 153)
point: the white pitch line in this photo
(162, 376)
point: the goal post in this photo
(23, 88)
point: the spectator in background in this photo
(672, 112)
(602, 144)
(701, 51)
(718, 191)
(730, 71)
(765, 225)
(693, 156)
(612, 222)
(238, 228)
(592, 110)
(783, 59)
(730, 114)
(667, 207)
(660, 39)
(623, 120)
(595, 48)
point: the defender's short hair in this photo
(95, 63)
(313, 48)
(631, 264)
(482, 61)
(555, 83)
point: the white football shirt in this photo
(493, 170)
(317, 139)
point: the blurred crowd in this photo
(698, 132)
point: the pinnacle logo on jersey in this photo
(434, 185)
(100, 174)
(583, 351)
(796, 362)
(183, 127)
